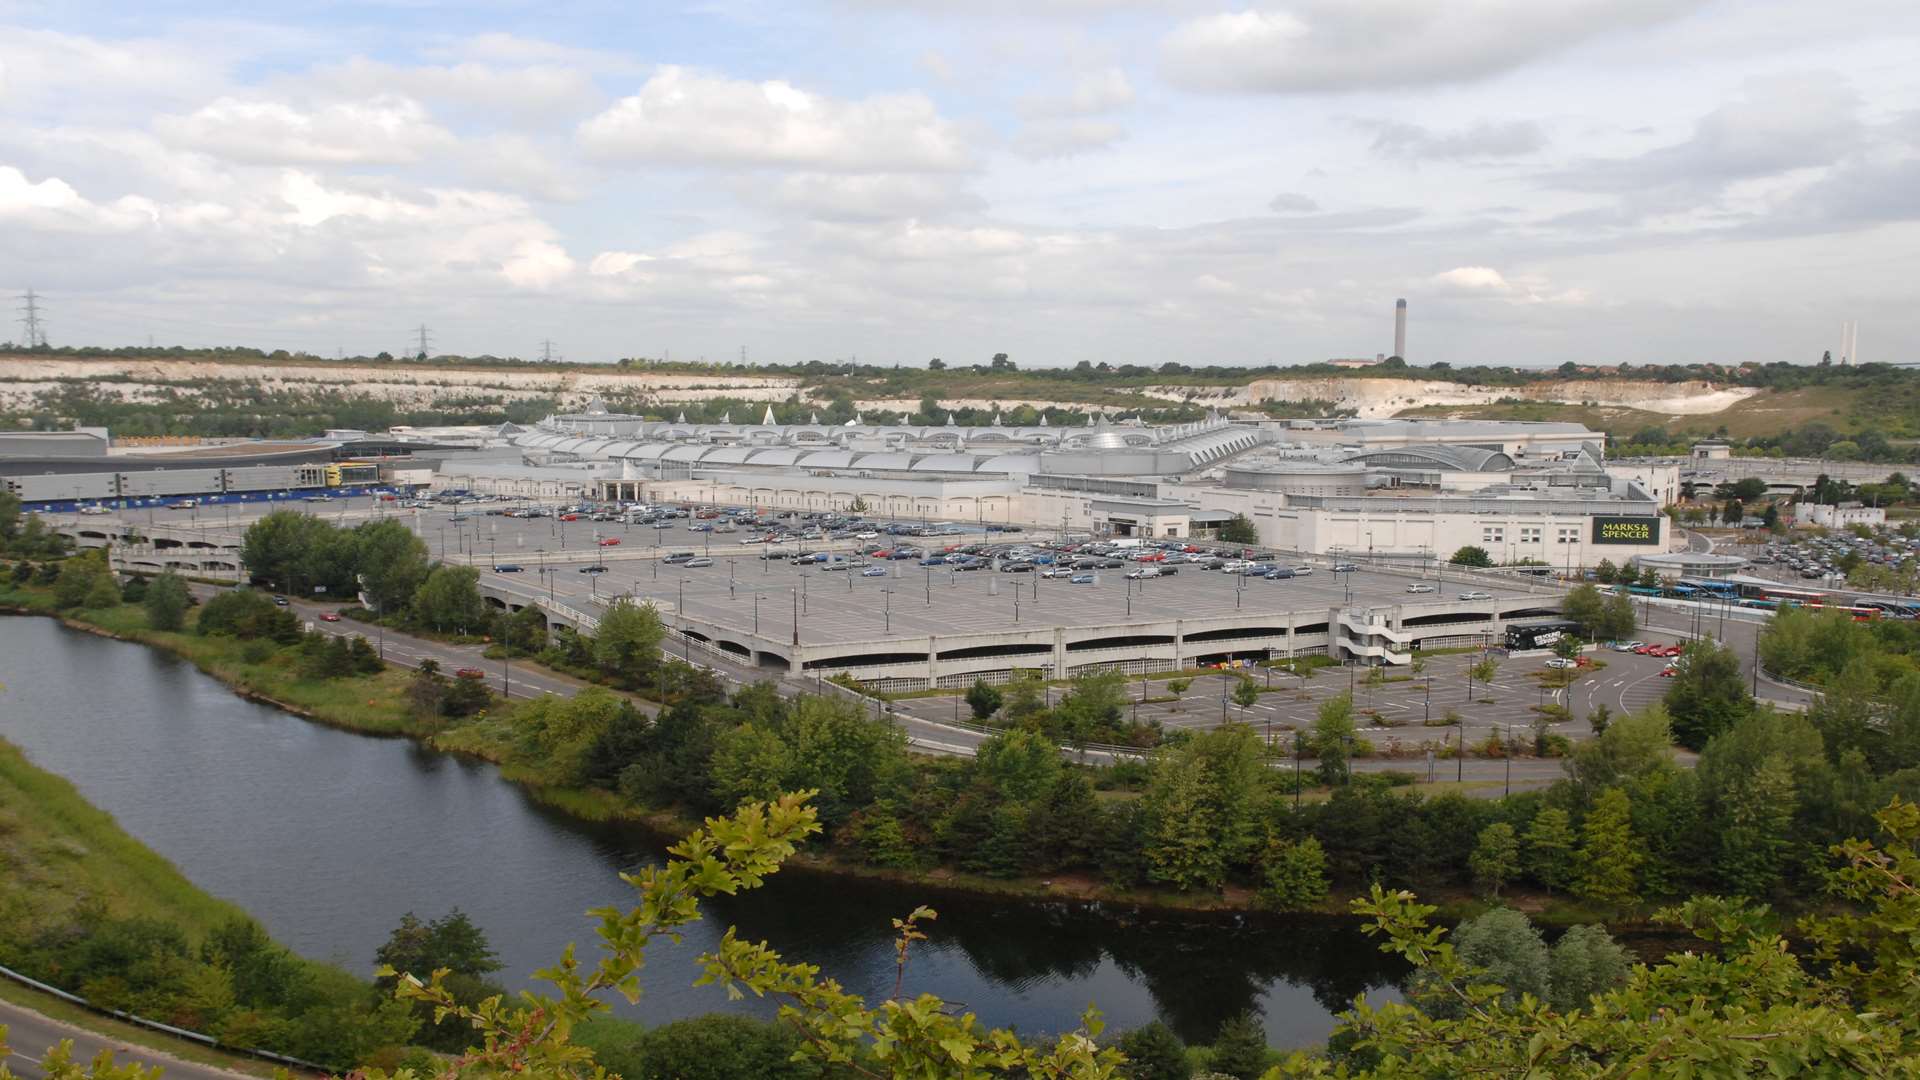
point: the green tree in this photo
(273, 547)
(449, 599)
(1293, 876)
(1508, 950)
(1331, 738)
(1154, 1052)
(453, 943)
(77, 577)
(1496, 858)
(1202, 807)
(1020, 765)
(1609, 857)
(1092, 705)
(1247, 695)
(1549, 849)
(1240, 1048)
(1024, 697)
(1707, 694)
(1471, 555)
(102, 591)
(1584, 962)
(714, 1047)
(1617, 620)
(1239, 529)
(983, 699)
(1604, 572)
(392, 563)
(1632, 746)
(1584, 605)
(626, 647)
(1177, 687)
(166, 602)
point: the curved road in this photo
(31, 1034)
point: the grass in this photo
(57, 849)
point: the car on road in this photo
(867, 534)
(569, 517)
(1080, 579)
(1278, 573)
(1346, 568)
(469, 673)
(508, 568)
(593, 569)
(1629, 646)
(1144, 572)
(1669, 672)
(95, 510)
(329, 616)
(280, 601)
(609, 541)
(1303, 570)
(678, 557)
(1476, 594)
(1422, 587)
(874, 571)
(1016, 568)
(1562, 663)
(698, 563)
(1058, 572)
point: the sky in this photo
(1128, 181)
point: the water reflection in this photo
(327, 837)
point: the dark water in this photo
(328, 837)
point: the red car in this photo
(569, 517)
(469, 673)
(611, 541)
(328, 616)
(1669, 672)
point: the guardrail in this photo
(155, 1025)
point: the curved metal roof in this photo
(962, 463)
(688, 453)
(827, 459)
(650, 451)
(781, 455)
(728, 455)
(1446, 456)
(899, 462)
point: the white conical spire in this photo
(726, 417)
(996, 418)
(683, 417)
(813, 418)
(949, 419)
(768, 419)
(1043, 419)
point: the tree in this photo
(1020, 765)
(936, 364)
(1332, 737)
(449, 599)
(102, 591)
(1471, 555)
(464, 695)
(1202, 807)
(1239, 529)
(713, 1047)
(1154, 1052)
(626, 647)
(1507, 949)
(1240, 1047)
(1496, 858)
(1247, 695)
(1617, 620)
(1024, 697)
(1707, 694)
(1632, 746)
(1605, 572)
(1294, 876)
(1610, 860)
(392, 563)
(1001, 363)
(1584, 962)
(1549, 849)
(451, 943)
(272, 548)
(1584, 605)
(166, 602)
(983, 699)
(1177, 687)
(76, 578)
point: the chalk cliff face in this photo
(138, 379)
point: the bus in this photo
(1540, 635)
(1719, 590)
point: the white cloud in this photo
(1320, 45)
(1480, 141)
(866, 196)
(388, 130)
(52, 204)
(1474, 279)
(685, 117)
(1092, 92)
(531, 95)
(1066, 138)
(1292, 202)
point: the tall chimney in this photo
(1400, 329)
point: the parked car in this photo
(1303, 570)
(1278, 573)
(1559, 662)
(1669, 671)
(609, 541)
(508, 568)
(678, 557)
(874, 571)
(593, 569)
(1016, 568)
(1080, 579)
(1346, 568)
(1422, 587)
(1144, 572)
(569, 517)
(280, 600)
(697, 563)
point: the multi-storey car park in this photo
(1391, 500)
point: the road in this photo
(31, 1034)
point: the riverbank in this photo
(380, 705)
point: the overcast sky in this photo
(1543, 180)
